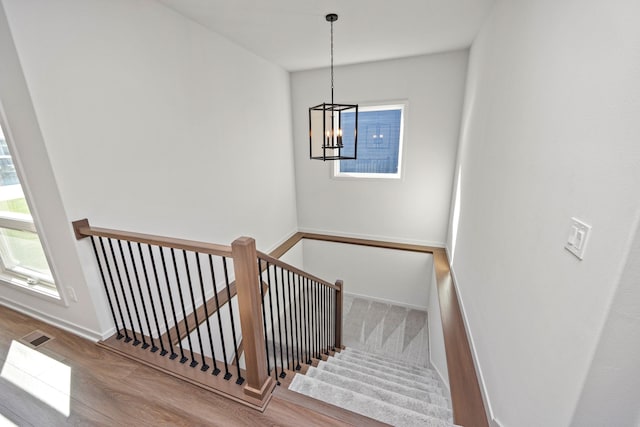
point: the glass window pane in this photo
(22, 253)
(379, 133)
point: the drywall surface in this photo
(437, 351)
(295, 256)
(391, 276)
(154, 124)
(610, 394)
(23, 135)
(549, 132)
(414, 208)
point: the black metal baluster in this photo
(327, 309)
(145, 345)
(264, 316)
(273, 329)
(124, 295)
(316, 292)
(303, 339)
(292, 324)
(276, 284)
(317, 317)
(303, 328)
(296, 300)
(307, 317)
(327, 301)
(240, 380)
(334, 304)
(204, 366)
(312, 320)
(207, 320)
(184, 312)
(106, 289)
(227, 374)
(164, 351)
(284, 314)
(154, 348)
(173, 308)
(133, 296)
(322, 318)
(332, 341)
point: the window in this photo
(380, 134)
(22, 258)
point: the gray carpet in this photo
(386, 329)
(378, 387)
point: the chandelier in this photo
(333, 128)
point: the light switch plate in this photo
(578, 238)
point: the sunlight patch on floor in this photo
(39, 375)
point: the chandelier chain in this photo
(332, 62)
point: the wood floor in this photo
(109, 390)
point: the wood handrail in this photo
(82, 229)
(368, 242)
(284, 265)
(466, 397)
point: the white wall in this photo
(23, 135)
(611, 390)
(388, 275)
(550, 131)
(295, 256)
(437, 352)
(414, 209)
(153, 123)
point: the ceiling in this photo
(295, 34)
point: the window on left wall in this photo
(23, 261)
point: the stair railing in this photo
(192, 308)
(301, 315)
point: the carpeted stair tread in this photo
(381, 394)
(429, 392)
(397, 376)
(387, 366)
(364, 405)
(384, 358)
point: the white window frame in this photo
(19, 277)
(381, 106)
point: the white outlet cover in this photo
(578, 238)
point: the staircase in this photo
(378, 387)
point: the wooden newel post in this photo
(339, 314)
(245, 262)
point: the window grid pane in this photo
(379, 133)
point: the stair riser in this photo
(381, 394)
(363, 405)
(433, 396)
(386, 367)
(421, 383)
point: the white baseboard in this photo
(55, 321)
(374, 237)
(474, 353)
(388, 301)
